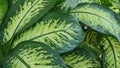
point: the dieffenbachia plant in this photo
(59, 34)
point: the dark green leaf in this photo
(13, 1)
(33, 55)
(60, 1)
(3, 9)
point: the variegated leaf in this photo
(70, 4)
(81, 57)
(111, 49)
(33, 55)
(62, 33)
(3, 9)
(99, 18)
(23, 14)
(74, 3)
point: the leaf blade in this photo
(40, 54)
(23, 14)
(104, 21)
(81, 57)
(62, 33)
(111, 51)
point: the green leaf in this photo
(111, 49)
(74, 3)
(81, 57)
(98, 18)
(3, 9)
(70, 4)
(23, 14)
(59, 30)
(91, 38)
(115, 3)
(106, 2)
(31, 54)
(60, 1)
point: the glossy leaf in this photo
(111, 49)
(81, 57)
(61, 32)
(23, 14)
(3, 9)
(33, 55)
(98, 18)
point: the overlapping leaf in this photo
(3, 9)
(60, 31)
(99, 18)
(111, 49)
(81, 57)
(70, 4)
(23, 14)
(33, 55)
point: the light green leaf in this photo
(3, 9)
(62, 33)
(81, 57)
(111, 49)
(98, 18)
(23, 14)
(31, 54)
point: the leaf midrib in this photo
(21, 60)
(91, 14)
(24, 17)
(115, 61)
(49, 33)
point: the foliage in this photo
(59, 34)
